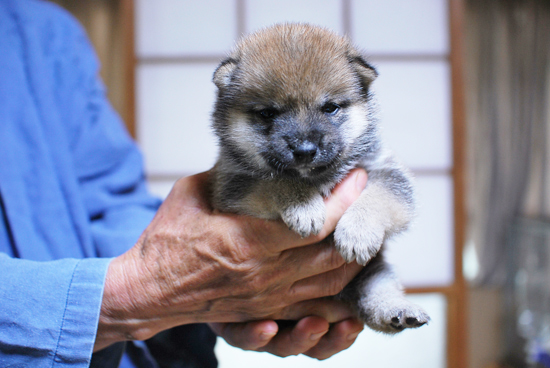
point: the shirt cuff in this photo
(81, 315)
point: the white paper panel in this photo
(174, 103)
(424, 255)
(160, 187)
(401, 26)
(420, 348)
(261, 13)
(181, 27)
(415, 112)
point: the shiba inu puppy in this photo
(294, 114)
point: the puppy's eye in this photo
(268, 113)
(330, 108)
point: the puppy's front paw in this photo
(358, 237)
(305, 218)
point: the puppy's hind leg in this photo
(380, 301)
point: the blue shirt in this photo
(72, 189)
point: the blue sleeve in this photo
(107, 162)
(73, 188)
(112, 183)
(47, 316)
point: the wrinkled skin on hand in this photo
(193, 264)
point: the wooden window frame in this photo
(456, 293)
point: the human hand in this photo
(194, 265)
(312, 336)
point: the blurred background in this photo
(464, 91)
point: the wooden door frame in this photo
(457, 338)
(127, 21)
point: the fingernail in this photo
(317, 336)
(265, 336)
(353, 336)
(361, 180)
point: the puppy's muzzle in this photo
(304, 152)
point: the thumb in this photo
(343, 195)
(191, 191)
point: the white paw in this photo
(393, 315)
(358, 238)
(305, 218)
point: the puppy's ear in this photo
(224, 72)
(366, 72)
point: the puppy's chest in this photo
(265, 198)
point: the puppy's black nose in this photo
(304, 152)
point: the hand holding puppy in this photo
(195, 265)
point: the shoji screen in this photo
(179, 43)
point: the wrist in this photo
(121, 316)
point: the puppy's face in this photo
(292, 102)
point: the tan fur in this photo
(380, 212)
(271, 64)
(294, 71)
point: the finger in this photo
(340, 337)
(299, 338)
(247, 335)
(325, 284)
(330, 309)
(343, 195)
(310, 260)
